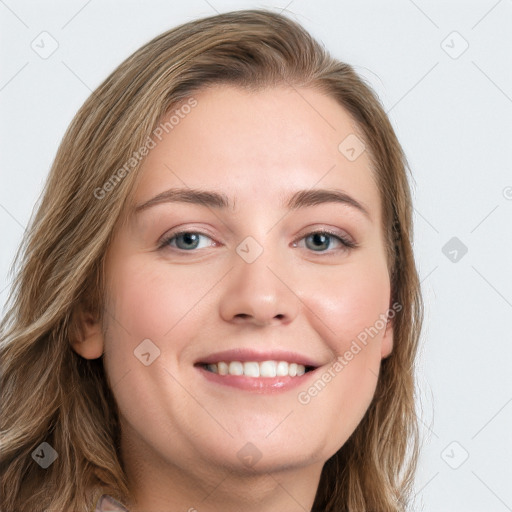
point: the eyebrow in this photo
(208, 198)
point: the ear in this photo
(87, 338)
(386, 346)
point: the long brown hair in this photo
(51, 394)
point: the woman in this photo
(217, 305)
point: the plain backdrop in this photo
(443, 71)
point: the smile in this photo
(266, 369)
(272, 371)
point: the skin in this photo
(180, 433)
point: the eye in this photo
(185, 240)
(320, 241)
(317, 241)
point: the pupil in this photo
(323, 240)
(190, 238)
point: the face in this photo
(200, 292)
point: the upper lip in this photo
(245, 355)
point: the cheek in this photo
(146, 302)
(149, 303)
(351, 305)
(348, 319)
(136, 312)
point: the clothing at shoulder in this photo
(108, 504)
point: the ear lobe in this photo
(87, 338)
(386, 346)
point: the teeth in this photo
(256, 369)
(252, 369)
(282, 369)
(235, 368)
(268, 369)
(223, 368)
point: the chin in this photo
(249, 454)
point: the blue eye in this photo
(185, 240)
(323, 240)
(319, 241)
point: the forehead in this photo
(259, 146)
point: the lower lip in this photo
(257, 384)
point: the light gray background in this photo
(452, 110)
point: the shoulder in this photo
(106, 503)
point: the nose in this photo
(260, 293)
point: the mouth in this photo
(256, 371)
(265, 369)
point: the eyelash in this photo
(346, 243)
